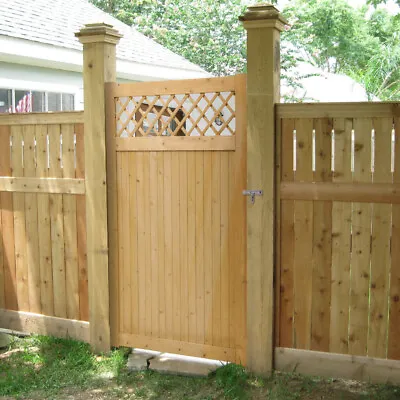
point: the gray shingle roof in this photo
(54, 22)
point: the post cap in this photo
(265, 14)
(98, 32)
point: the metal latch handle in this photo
(252, 194)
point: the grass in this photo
(41, 367)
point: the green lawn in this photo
(41, 367)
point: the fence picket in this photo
(361, 242)
(341, 241)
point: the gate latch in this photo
(252, 194)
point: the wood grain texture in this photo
(341, 241)
(322, 241)
(380, 244)
(394, 299)
(361, 242)
(7, 225)
(303, 232)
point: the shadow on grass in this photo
(41, 363)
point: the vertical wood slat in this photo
(175, 232)
(208, 272)
(31, 222)
(125, 243)
(225, 270)
(133, 235)
(7, 225)
(341, 241)
(394, 308)
(70, 227)
(361, 235)
(81, 226)
(380, 249)
(121, 232)
(216, 248)
(183, 230)
(200, 282)
(153, 202)
(192, 244)
(161, 248)
(168, 256)
(147, 241)
(322, 241)
(303, 231)
(44, 229)
(286, 240)
(19, 222)
(57, 225)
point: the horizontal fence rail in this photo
(42, 217)
(339, 253)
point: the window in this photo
(12, 100)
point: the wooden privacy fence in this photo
(179, 281)
(42, 223)
(339, 229)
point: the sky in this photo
(391, 6)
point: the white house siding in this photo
(25, 77)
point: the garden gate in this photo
(177, 171)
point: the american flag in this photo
(24, 105)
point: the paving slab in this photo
(5, 340)
(138, 359)
(175, 364)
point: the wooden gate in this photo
(177, 216)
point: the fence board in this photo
(225, 270)
(44, 229)
(70, 228)
(394, 308)
(216, 248)
(380, 250)
(19, 222)
(200, 246)
(57, 225)
(7, 225)
(183, 230)
(303, 231)
(322, 242)
(192, 244)
(81, 226)
(31, 222)
(168, 227)
(341, 241)
(153, 202)
(208, 272)
(361, 235)
(176, 264)
(161, 247)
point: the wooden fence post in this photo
(99, 66)
(263, 24)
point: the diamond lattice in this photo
(204, 114)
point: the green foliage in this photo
(232, 379)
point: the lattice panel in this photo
(202, 114)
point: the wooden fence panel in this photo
(43, 226)
(352, 182)
(394, 303)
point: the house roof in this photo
(55, 22)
